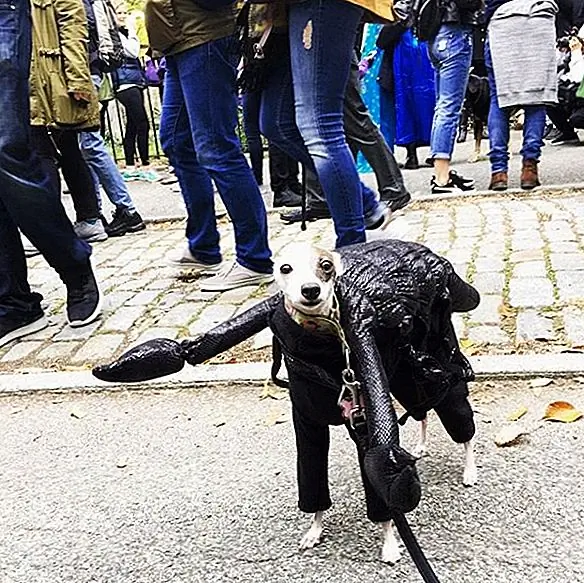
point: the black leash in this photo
(416, 552)
(304, 197)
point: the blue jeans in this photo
(199, 114)
(104, 170)
(251, 126)
(28, 200)
(303, 103)
(451, 56)
(533, 126)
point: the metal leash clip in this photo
(350, 398)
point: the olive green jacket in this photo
(60, 66)
(175, 26)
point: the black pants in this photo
(560, 118)
(137, 125)
(60, 148)
(284, 170)
(251, 126)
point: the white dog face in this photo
(306, 275)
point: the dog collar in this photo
(311, 323)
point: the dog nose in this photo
(310, 291)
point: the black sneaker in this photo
(12, 329)
(565, 139)
(448, 188)
(124, 222)
(460, 181)
(287, 198)
(84, 299)
(399, 202)
(312, 214)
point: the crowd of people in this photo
(295, 66)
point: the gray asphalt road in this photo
(198, 486)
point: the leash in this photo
(414, 549)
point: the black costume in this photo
(396, 299)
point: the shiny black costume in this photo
(396, 300)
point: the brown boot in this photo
(529, 177)
(499, 181)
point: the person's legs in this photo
(126, 98)
(142, 128)
(559, 118)
(195, 183)
(533, 128)
(29, 201)
(364, 136)
(387, 116)
(323, 32)
(498, 124)
(207, 76)
(251, 126)
(451, 56)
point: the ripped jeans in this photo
(303, 104)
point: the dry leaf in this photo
(466, 343)
(517, 414)
(561, 411)
(509, 435)
(506, 311)
(272, 392)
(541, 382)
(276, 417)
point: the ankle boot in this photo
(412, 159)
(529, 175)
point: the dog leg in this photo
(470, 475)
(314, 534)
(420, 449)
(390, 552)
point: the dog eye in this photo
(327, 266)
(286, 269)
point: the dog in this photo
(306, 276)
(476, 107)
(353, 325)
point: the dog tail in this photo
(464, 296)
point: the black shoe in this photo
(12, 329)
(84, 299)
(412, 162)
(287, 198)
(312, 214)
(125, 222)
(460, 181)
(399, 202)
(565, 139)
(553, 134)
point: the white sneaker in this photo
(91, 230)
(234, 276)
(186, 260)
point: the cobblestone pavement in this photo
(525, 255)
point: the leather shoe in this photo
(499, 181)
(287, 197)
(312, 214)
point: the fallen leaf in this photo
(509, 435)
(272, 392)
(561, 411)
(506, 311)
(517, 414)
(540, 382)
(276, 417)
(466, 343)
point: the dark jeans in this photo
(284, 170)
(137, 125)
(302, 108)
(251, 126)
(28, 199)
(199, 114)
(60, 148)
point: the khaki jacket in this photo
(175, 26)
(60, 66)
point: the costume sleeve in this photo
(230, 333)
(73, 39)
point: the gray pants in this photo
(363, 136)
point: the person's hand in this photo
(81, 96)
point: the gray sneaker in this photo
(91, 230)
(235, 276)
(187, 260)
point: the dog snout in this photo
(310, 291)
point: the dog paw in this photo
(311, 538)
(470, 476)
(419, 451)
(390, 552)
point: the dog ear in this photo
(338, 263)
